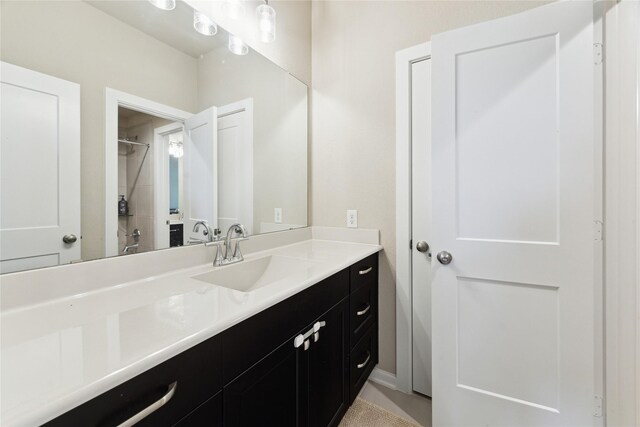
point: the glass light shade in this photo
(235, 8)
(164, 4)
(203, 24)
(176, 149)
(266, 23)
(237, 46)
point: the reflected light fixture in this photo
(235, 8)
(203, 24)
(176, 149)
(164, 4)
(237, 46)
(266, 22)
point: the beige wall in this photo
(75, 41)
(353, 110)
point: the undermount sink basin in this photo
(247, 276)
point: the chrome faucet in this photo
(234, 256)
(211, 235)
(136, 241)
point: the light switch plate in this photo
(277, 215)
(352, 218)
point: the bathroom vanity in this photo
(293, 348)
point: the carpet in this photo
(366, 414)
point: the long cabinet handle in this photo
(365, 311)
(153, 407)
(365, 363)
(365, 271)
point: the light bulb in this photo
(235, 8)
(164, 4)
(203, 24)
(237, 46)
(266, 23)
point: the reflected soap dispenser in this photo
(123, 206)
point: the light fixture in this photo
(266, 22)
(237, 46)
(176, 149)
(235, 8)
(164, 4)
(203, 24)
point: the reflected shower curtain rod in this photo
(126, 141)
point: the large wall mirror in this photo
(122, 126)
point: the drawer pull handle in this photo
(363, 312)
(365, 271)
(153, 407)
(365, 363)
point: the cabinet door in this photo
(324, 368)
(209, 414)
(267, 393)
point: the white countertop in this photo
(57, 354)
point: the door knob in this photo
(422, 246)
(444, 257)
(69, 238)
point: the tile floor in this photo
(413, 407)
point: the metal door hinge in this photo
(411, 244)
(597, 230)
(597, 54)
(597, 406)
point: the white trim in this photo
(383, 378)
(114, 99)
(161, 182)
(404, 364)
(622, 207)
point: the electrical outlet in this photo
(352, 218)
(277, 215)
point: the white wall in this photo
(353, 132)
(622, 213)
(75, 41)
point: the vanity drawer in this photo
(364, 272)
(363, 310)
(189, 378)
(362, 360)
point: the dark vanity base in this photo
(253, 375)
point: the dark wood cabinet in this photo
(256, 373)
(209, 414)
(196, 375)
(267, 393)
(324, 371)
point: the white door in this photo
(421, 225)
(200, 170)
(40, 169)
(513, 203)
(163, 183)
(235, 165)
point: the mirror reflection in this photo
(123, 127)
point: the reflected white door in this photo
(513, 203)
(200, 170)
(162, 182)
(421, 225)
(40, 169)
(235, 165)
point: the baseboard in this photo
(383, 378)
